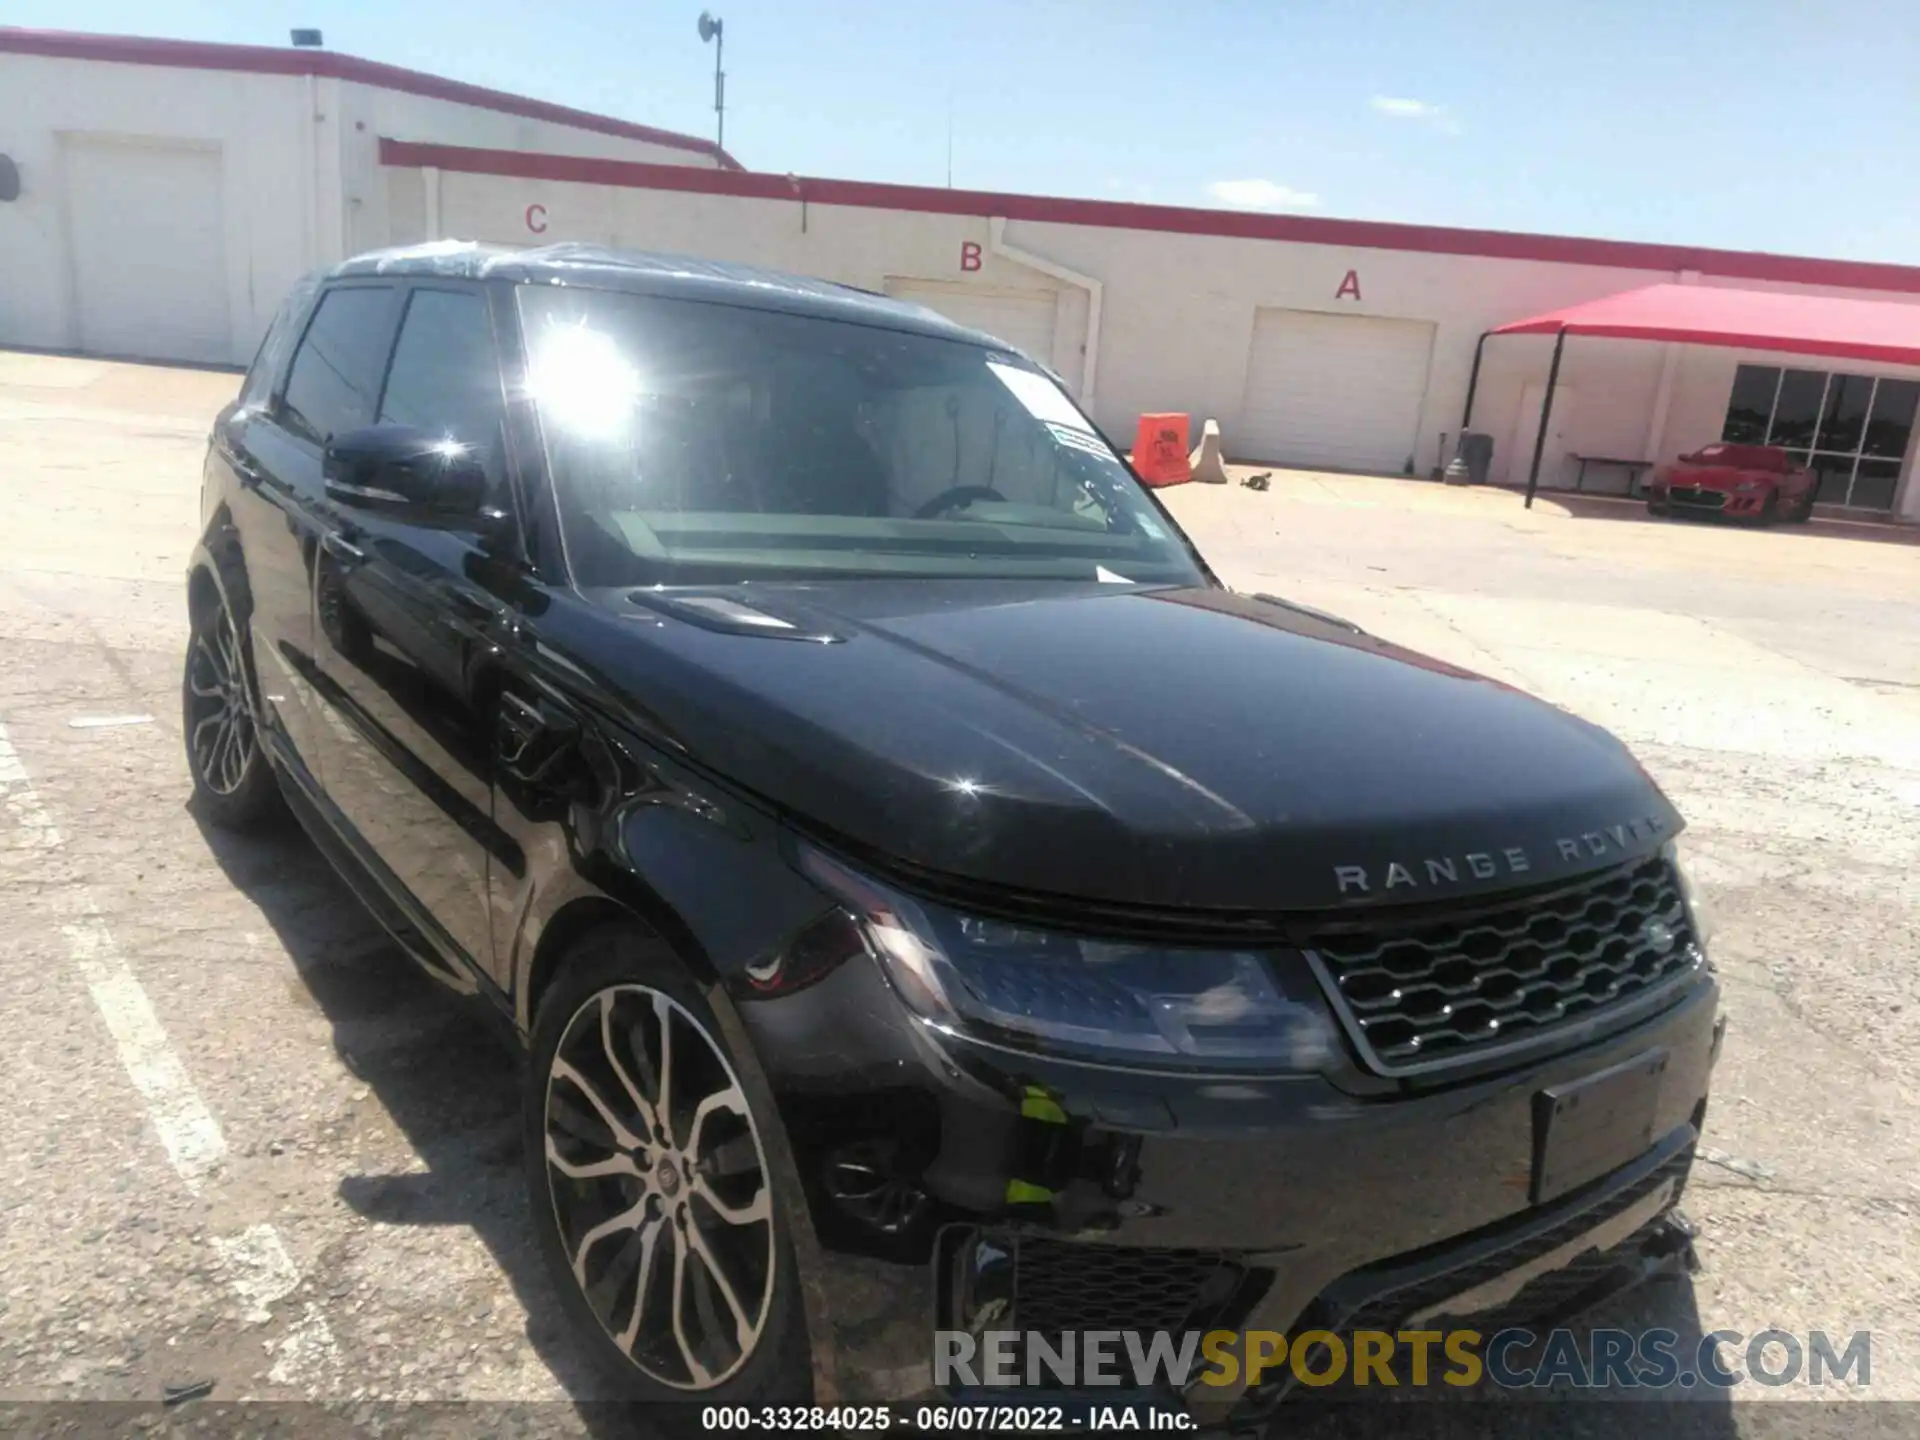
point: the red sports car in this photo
(1756, 482)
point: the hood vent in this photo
(735, 617)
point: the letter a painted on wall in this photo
(1349, 286)
(969, 254)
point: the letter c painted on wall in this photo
(537, 219)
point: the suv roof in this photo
(683, 276)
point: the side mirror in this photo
(405, 471)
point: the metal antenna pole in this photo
(714, 30)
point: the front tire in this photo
(1658, 508)
(652, 1189)
(233, 781)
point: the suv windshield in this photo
(693, 442)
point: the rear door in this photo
(408, 615)
(271, 443)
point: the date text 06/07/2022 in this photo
(941, 1419)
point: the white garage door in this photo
(148, 238)
(1338, 391)
(1022, 318)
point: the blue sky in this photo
(1754, 124)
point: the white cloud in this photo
(1261, 195)
(1400, 108)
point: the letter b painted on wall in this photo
(969, 254)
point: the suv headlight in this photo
(1123, 1002)
(1698, 911)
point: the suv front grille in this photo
(1433, 993)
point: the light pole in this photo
(712, 29)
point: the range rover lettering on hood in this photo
(1617, 839)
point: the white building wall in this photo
(255, 123)
(299, 158)
(301, 185)
(369, 112)
(1179, 309)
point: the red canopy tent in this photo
(1881, 330)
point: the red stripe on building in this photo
(1167, 219)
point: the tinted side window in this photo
(336, 371)
(445, 378)
(272, 357)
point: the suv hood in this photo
(1163, 748)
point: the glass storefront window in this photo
(1851, 430)
(1892, 421)
(1796, 411)
(1874, 484)
(1751, 407)
(1846, 413)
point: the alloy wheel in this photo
(660, 1187)
(220, 733)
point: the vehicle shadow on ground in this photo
(449, 1078)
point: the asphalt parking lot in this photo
(242, 1142)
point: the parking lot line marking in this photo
(185, 1125)
(261, 1272)
(179, 1116)
(307, 1354)
(259, 1269)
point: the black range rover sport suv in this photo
(924, 896)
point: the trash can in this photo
(1476, 449)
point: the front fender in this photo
(676, 851)
(703, 870)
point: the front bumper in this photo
(1159, 1202)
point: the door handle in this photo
(239, 462)
(474, 607)
(342, 549)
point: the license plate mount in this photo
(1587, 1127)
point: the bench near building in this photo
(215, 174)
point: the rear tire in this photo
(1658, 507)
(233, 781)
(662, 1230)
